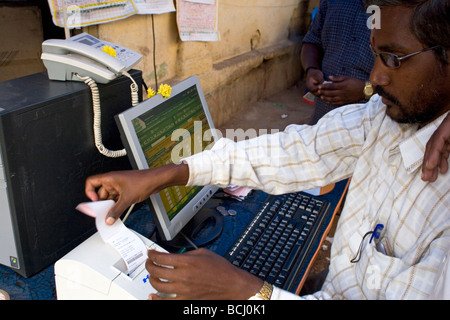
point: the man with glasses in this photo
(393, 234)
(393, 61)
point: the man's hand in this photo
(314, 79)
(129, 187)
(342, 90)
(199, 274)
(435, 159)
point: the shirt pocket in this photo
(376, 270)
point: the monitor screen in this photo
(161, 131)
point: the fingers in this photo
(337, 79)
(92, 183)
(437, 162)
(99, 187)
(116, 211)
(162, 258)
(444, 159)
(330, 92)
(437, 152)
(313, 81)
(160, 267)
(181, 274)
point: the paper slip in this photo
(132, 250)
(237, 192)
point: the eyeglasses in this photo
(392, 60)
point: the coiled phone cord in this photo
(97, 114)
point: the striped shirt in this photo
(384, 159)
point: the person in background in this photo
(381, 144)
(336, 55)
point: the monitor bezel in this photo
(167, 228)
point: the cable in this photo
(128, 212)
(144, 85)
(189, 240)
(133, 88)
(97, 120)
(154, 51)
(97, 114)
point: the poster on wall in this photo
(82, 13)
(198, 20)
(154, 6)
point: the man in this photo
(380, 144)
(336, 57)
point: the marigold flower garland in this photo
(109, 50)
(164, 89)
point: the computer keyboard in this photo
(275, 244)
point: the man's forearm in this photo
(310, 56)
(173, 175)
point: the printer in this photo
(95, 271)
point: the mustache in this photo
(380, 91)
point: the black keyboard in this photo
(275, 244)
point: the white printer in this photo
(95, 271)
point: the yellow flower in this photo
(150, 93)
(109, 50)
(165, 90)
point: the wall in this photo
(258, 53)
(21, 38)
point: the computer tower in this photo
(47, 152)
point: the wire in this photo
(97, 114)
(189, 240)
(144, 85)
(97, 119)
(133, 88)
(154, 51)
(128, 212)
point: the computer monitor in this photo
(160, 131)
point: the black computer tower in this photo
(47, 152)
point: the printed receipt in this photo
(132, 250)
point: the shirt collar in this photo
(413, 148)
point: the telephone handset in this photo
(83, 55)
(81, 58)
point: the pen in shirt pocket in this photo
(381, 243)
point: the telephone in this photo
(82, 54)
(81, 58)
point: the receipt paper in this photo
(130, 247)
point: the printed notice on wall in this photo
(81, 13)
(198, 20)
(202, 1)
(154, 6)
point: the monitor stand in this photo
(202, 229)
